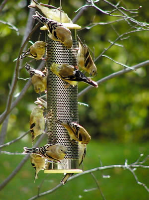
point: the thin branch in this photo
(15, 140)
(11, 26)
(3, 4)
(79, 14)
(137, 180)
(117, 62)
(99, 9)
(18, 168)
(89, 26)
(98, 186)
(126, 16)
(4, 130)
(91, 171)
(119, 37)
(123, 71)
(22, 93)
(11, 153)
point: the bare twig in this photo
(6, 112)
(3, 4)
(13, 141)
(11, 26)
(4, 130)
(11, 153)
(123, 71)
(117, 62)
(17, 169)
(98, 186)
(126, 17)
(119, 37)
(91, 171)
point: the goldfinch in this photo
(71, 74)
(51, 152)
(56, 30)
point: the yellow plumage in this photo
(36, 51)
(38, 163)
(37, 122)
(76, 132)
(51, 152)
(85, 60)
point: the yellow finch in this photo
(76, 131)
(51, 152)
(85, 60)
(82, 153)
(56, 30)
(51, 12)
(71, 74)
(38, 163)
(36, 51)
(38, 78)
(37, 122)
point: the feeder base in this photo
(58, 171)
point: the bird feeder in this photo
(62, 104)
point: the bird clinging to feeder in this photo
(76, 131)
(36, 51)
(53, 153)
(38, 163)
(85, 60)
(71, 74)
(38, 78)
(37, 122)
(56, 30)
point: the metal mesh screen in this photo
(61, 103)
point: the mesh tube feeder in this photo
(62, 104)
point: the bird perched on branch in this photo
(71, 74)
(76, 131)
(51, 152)
(38, 78)
(38, 163)
(51, 12)
(37, 122)
(36, 51)
(56, 30)
(85, 60)
(82, 153)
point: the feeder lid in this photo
(67, 25)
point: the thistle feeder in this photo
(62, 104)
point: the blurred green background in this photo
(117, 116)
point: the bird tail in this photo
(91, 82)
(81, 77)
(65, 178)
(30, 150)
(30, 69)
(33, 4)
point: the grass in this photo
(120, 186)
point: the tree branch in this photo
(11, 26)
(3, 4)
(15, 140)
(18, 168)
(125, 166)
(98, 186)
(123, 71)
